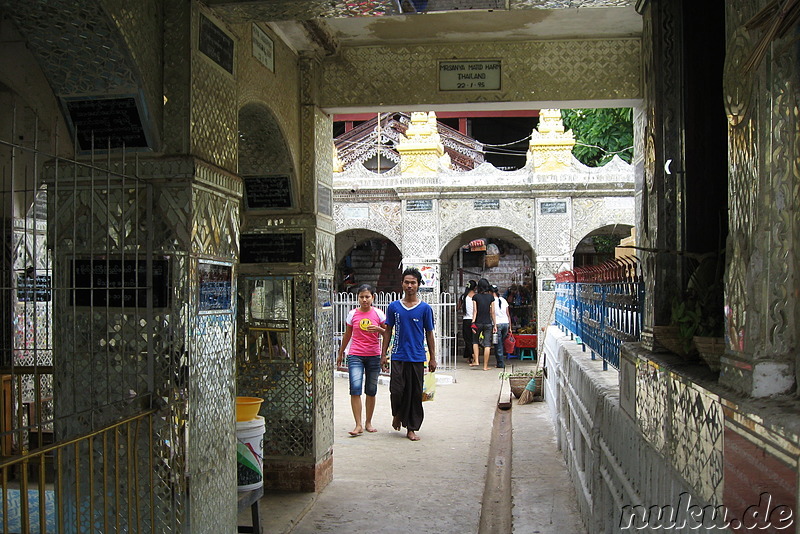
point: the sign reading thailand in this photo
(474, 75)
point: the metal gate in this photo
(444, 316)
(78, 322)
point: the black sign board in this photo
(554, 207)
(486, 204)
(34, 289)
(216, 44)
(271, 248)
(419, 205)
(216, 285)
(268, 192)
(112, 122)
(118, 283)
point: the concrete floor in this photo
(383, 481)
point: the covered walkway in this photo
(383, 481)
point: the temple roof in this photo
(360, 145)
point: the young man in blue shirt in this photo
(411, 320)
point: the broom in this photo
(527, 393)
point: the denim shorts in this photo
(357, 366)
(486, 330)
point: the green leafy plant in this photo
(699, 312)
(600, 134)
(531, 374)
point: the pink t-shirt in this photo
(365, 343)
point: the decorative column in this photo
(421, 150)
(762, 310)
(550, 151)
(550, 148)
(659, 222)
(297, 384)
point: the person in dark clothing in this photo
(483, 318)
(411, 320)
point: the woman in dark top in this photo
(483, 319)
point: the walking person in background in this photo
(503, 321)
(411, 320)
(465, 305)
(483, 319)
(362, 340)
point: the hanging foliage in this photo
(600, 134)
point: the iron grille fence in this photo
(444, 317)
(601, 305)
(80, 308)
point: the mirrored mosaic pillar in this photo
(659, 219)
(143, 279)
(762, 309)
(285, 344)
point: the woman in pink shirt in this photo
(362, 340)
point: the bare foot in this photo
(357, 431)
(396, 422)
(369, 428)
(412, 435)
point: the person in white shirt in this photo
(465, 305)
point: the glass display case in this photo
(268, 318)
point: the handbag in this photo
(428, 387)
(509, 343)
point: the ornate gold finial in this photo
(338, 166)
(421, 150)
(551, 146)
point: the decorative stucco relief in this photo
(592, 213)
(554, 230)
(459, 216)
(421, 234)
(383, 218)
(589, 69)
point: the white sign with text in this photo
(469, 75)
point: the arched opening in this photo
(366, 257)
(262, 147)
(599, 245)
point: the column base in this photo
(287, 475)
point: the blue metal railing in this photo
(601, 306)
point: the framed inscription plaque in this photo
(271, 248)
(268, 192)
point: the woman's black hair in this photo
(483, 286)
(496, 291)
(365, 287)
(469, 287)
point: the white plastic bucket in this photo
(250, 454)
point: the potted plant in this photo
(698, 317)
(519, 379)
